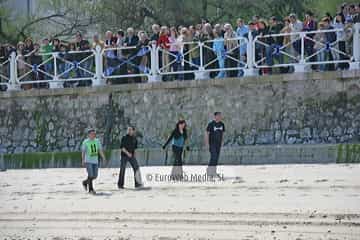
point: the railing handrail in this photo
(300, 33)
(119, 48)
(55, 53)
(226, 39)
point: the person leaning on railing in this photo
(163, 43)
(242, 31)
(61, 61)
(35, 60)
(21, 65)
(174, 49)
(46, 50)
(143, 55)
(310, 25)
(324, 43)
(274, 42)
(194, 38)
(97, 42)
(231, 45)
(339, 24)
(320, 40)
(87, 63)
(122, 70)
(131, 40)
(70, 58)
(254, 32)
(120, 39)
(219, 50)
(182, 38)
(295, 26)
(263, 31)
(209, 56)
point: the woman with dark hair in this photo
(55, 43)
(178, 138)
(29, 46)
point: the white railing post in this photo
(54, 83)
(13, 84)
(200, 74)
(301, 67)
(154, 60)
(98, 78)
(250, 57)
(356, 47)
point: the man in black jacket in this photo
(128, 146)
(214, 139)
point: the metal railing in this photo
(126, 62)
(57, 69)
(220, 57)
(305, 48)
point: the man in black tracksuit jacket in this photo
(128, 146)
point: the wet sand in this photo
(300, 202)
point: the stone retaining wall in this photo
(311, 108)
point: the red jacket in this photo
(163, 41)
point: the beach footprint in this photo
(238, 180)
(284, 181)
(321, 180)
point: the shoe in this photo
(92, 192)
(139, 186)
(85, 185)
(120, 187)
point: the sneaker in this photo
(84, 183)
(120, 187)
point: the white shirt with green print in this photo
(91, 148)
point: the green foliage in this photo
(322, 7)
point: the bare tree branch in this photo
(37, 20)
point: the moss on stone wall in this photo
(45, 160)
(344, 153)
(348, 153)
(40, 131)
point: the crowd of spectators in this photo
(127, 53)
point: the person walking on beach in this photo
(128, 146)
(91, 148)
(178, 138)
(214, 138)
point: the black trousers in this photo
(342, 48)
(135, 166)
(177, 169)
(177, 153)
(214, 154)
(231, 63)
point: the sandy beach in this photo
(300, 202)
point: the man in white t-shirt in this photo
(295, 26)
